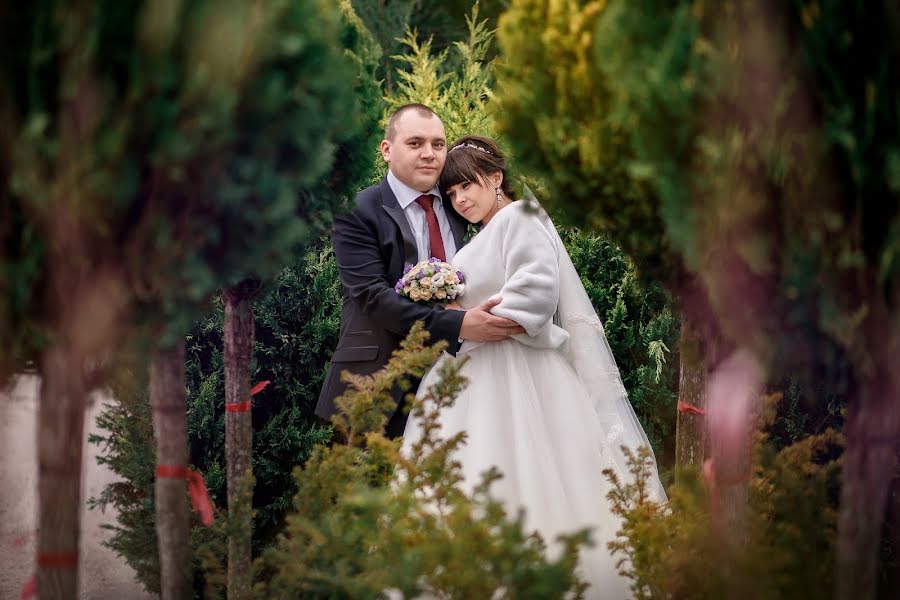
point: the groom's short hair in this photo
(391, 130)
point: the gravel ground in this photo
(102, 574)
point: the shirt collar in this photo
(406, 195)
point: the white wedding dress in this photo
(545, 407)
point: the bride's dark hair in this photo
(474, 158)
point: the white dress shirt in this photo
(415, 214)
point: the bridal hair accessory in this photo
(431, 280)
(471, 145)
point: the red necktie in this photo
(435, 241)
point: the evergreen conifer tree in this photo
(153, 163)
(760, 140)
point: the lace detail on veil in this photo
(592, 320)
(581, 344)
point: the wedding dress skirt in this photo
(527, 413)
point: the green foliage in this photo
(386, 21)
(456, 88)
(22, 311)
(354, 161)
(178, 164)
(22, 250)
(369, 519)
(665, 124)
(675, 551)
(297, 320)
(280, 171)
(253, 126)
(443, 22)
(756, 143)
(453, 81)
(806, 410)
(553, 106)
(211, 544)
(129, 451)
(640, 328)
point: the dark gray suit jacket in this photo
(372, 245)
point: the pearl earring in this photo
(497, 190)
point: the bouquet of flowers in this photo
(431, 280)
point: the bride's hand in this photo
(454, 305)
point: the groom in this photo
(400, 221)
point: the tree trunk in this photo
(893, 518)
(866, 480)
(167, 397)
(872, 433)
(733, 391)
(690, 432)
(238, 341)
(60, 440)
(869, 464)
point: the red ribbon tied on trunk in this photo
(259, 387)
(49, 560)
(30, 588)
(196, 487)
(687, 407)
(245, 405)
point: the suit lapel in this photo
(392, 208)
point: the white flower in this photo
(438, 280)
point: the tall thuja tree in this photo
(779, 180)
(456, 87)
(66, 297)
(292, 71)
(154, 162)
(387, 22)
(283, 427)
(238, 299)
(553, 101)
(768, 135)
(238, 353)
(442, 22)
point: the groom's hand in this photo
(479, 325)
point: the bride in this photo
(546, 407)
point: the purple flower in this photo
(407, 268)
(420, 275)
(459, 275)
(433, 260)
